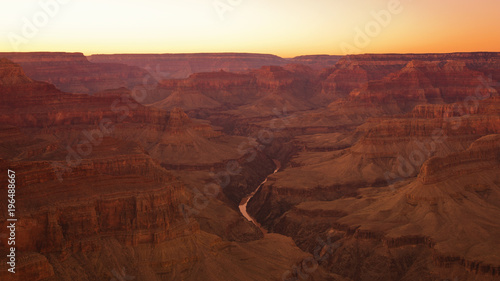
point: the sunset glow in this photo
(283, 27)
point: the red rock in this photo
(353, 71)
(422, 83)
(183, 65)
(270, 87)
(120, 206)
(72, 72)
(317, 61)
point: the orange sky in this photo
(283, 27)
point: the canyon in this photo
(252, 167)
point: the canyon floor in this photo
(251, 167)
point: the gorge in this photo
(246, 199)
(251, 166)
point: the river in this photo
(246, 199)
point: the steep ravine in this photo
(246, 199)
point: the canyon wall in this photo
(183, 65)
(72, 72)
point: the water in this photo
(245, 200)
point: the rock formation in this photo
(448, 215)
(183, 65)
(388, 167)
(256, 93)
(96, 202)
(72, 72)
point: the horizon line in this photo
(250, 53)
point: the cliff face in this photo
(377, 204)
(216, 87)
(354, 71)
(422, 83)
(43, 105)
(104, 192)
(382, 151)
(294, 78)
(183, 65)
(120, 209)
(453, 125)
(401, 169)
(172, 138)
(72, 72)
(97, 199)
(351, 73)
(483, 154)
(317, 61)
(446, 215)
(256, 93)
(91, 202)
(356, 88)
(12, 73)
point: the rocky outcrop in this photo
(45, 106)
(455, 111)
(118, 201)
(216, 88)
(188, 100)
(483, 154)
(30, 266)
(317, 61)
(183, 65)
(109, 207)
(438, 216)
(172, 138)
(16, 144)
(352, 72)
(272, 201)
(382, 152)
(12, 73)
(72, 72)
(254, 94)
(428, 130)
(422, 83)
(112, 204)
(94, 199)
(120, 209)
(475, 267)
(393, 199)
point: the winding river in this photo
(245, 200)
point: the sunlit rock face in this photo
(95, 198)
(183, 65)
(386, 167)
(72, 72)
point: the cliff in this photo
(396, 179)
(316, 61)
(43, 105)
(447, 216)
(421, 83)
(120, 210)
(353, 71)
(253, 94)
(92, 204)
(183, 65)
(72, 72)
(215, 88)
(483, 154)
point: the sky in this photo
(286, 28)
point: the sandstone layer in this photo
(72, 72)
(96, 201)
